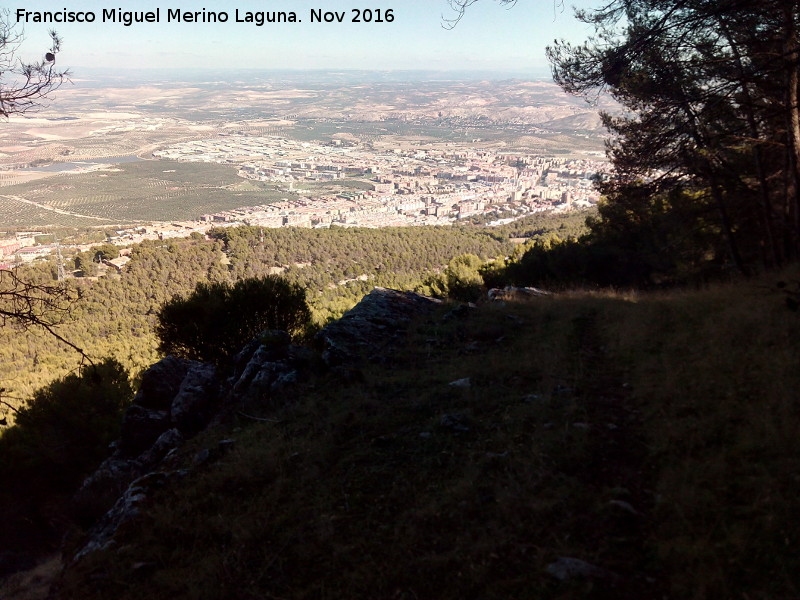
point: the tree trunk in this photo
(719, 200)
(774, 256)
(792, 57)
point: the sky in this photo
(490, 38)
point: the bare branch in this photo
(30, 304)
(459, 8)
(25, 86)
(7, 404)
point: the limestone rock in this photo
(454, 422)
(126, 508)
(266, 380)
(372, 325)
(177, 399)
(624, 507)
(171, 438)
(461, 383)
(100, 490)
(284, 381)
(273, 344)
(141, 427)
(515, 293)
(174, 393)
(193, 405)
(261, 365)
(161, 382)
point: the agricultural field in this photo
(39, 140)
(15, 213)
(104, 118)
(398, 133)
(143, 191)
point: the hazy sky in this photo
(490, 37)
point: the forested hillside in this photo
(115, 314)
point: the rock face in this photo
(193, 406)
(266, 366)
(125, 509)
(140, 428)
(175, 393)
(372, 325)
(161, 382)
(515, 293)
(150, 413)
(176, 399)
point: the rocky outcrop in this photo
(515, 293)
(266, 367)
(194, 404)
(125, 509)
(175, 393)
(372, 325)
(161, 382)
(178, 398)
(140, 428)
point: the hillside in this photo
(115, 315)
(598, 405)
(574, 446)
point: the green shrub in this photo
(65, 429)
(461, 280)
(57, 439)
(218, 319)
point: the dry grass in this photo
(656, 436)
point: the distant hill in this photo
(588, 121)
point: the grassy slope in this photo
(583, 410)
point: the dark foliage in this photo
(57, 438)
(707, 154)
(217, 319)
(636, 240)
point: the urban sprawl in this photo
(405, 187)
(410, 186)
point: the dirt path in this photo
(55, 210)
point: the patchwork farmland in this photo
(143, 191)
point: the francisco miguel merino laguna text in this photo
(176, 15)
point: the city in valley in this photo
(156, 157)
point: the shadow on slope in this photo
(579, 446)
